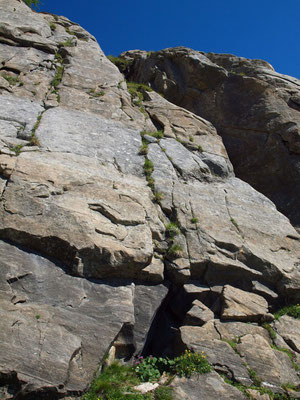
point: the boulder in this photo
(277, 368)
(243, 306)
(207, 386)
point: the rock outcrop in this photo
(123, 226)
(255, 110)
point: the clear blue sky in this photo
(265, 29)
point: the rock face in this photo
(255, 110)
(123, 227)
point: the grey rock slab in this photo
(217, 164)
(219, 353)
(21, 25)
(243, 306)
(57, 331)
(234, 330)
(276, 368)
(187, 164)
(260, 132)
(198, 315)
(180, 123)
(202, 387)
(264, 291)
(289, 329)
(18, 116)
(78, 215)
(92, 136)
(235, 220)
(147, 300)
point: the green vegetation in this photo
(270, 330)
(95, 93)
(31, 3)
(148, 167)
(121, 63)
(73, 33)
(194, 220)
(117, 381)
(37, 316)
(233, 343)
(233, 221)
(67, 43)
(12, 80)
(174, 250)
(52, 26)
(200, 148)
(137, 91)
(191, 363)
(158, 196)
(144, 149)
(292, 311)
(58, 76)
(16, 149)
(33, 139)
(172, 229)
(191, 139)
(255, 379)
(157, 134)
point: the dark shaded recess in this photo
(163, 330)
(163, 335)
(157, 124)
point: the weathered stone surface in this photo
(261, 131)
(198, 315)
(70, 217)
(243, 306)
(289, 328)
(235, 330)
(76, 206)
(55, 329)
(208, 386)
(219, 353)
(276, 368)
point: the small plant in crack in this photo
(174, 250)
(158, 196)
(144, 149)
(172, 229)
(58, 76)
(121, 63)
(16, 149)
(194, 220)
(148, 167)
(156, 134)
(270, 330)
(52, 26)
(292, 311)
(233, 221)
(95, 93)
(67, 43)
(12, 80)
(255, 379)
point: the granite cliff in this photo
(147, 217)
